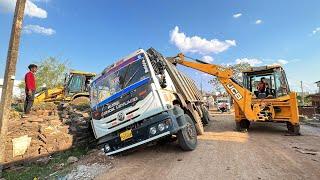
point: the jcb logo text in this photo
(234, 91)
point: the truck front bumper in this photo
(141, 133)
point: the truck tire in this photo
(205, 118)
(293, 129)
(197, 121)
(187, 137)
(82, 100)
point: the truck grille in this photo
(118, 124)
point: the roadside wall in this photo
(308, 111)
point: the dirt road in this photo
(263, 153)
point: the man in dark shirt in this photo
(30, 82)
(262, 85)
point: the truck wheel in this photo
(187, 137)
(205, 118)
(293, 129)
(82, 100)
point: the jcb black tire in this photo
(187, 137)
(82, 100)
(243, 125)
(205, 117)
(293, 129)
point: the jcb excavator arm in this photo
(241, 95)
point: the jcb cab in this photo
(277, 102)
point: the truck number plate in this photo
(126, 135)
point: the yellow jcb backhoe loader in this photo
(276, 104)
(75, 89)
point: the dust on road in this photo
(263, 153)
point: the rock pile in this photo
(51, 129)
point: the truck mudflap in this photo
(141, 132)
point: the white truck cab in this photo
(135, 101)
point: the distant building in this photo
(16, 90)
(315, 100)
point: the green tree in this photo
(237, 75)
(51, 73)
(307, 100)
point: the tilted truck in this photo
(143, 98)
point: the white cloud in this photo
(31, 9)
(259, 21)
(207, 59)
(251, 61)
(38, 29)
(237, 15)
(196, 44)
(7, 5)
(279, 62)
(206, 75)
(45, 1)
(316, 30)
(282, 61)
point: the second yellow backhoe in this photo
(276, 104)
(74, 90)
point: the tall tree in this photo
(51, 73)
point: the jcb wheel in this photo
(243, 125)
(82, 100)
(293, 129)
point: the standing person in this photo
(30, 82)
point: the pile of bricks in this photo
(51, 129)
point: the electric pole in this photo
(9, 76)
(201, 85)
(302, 94)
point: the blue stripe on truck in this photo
(122, 92)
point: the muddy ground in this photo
(263, 153)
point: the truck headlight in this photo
(161, 127)
(167, 123)
(153, 130)
(107, 148)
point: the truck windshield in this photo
(118, 77)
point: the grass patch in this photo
(35, 171)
